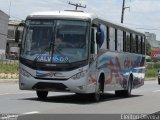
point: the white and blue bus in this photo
(80, 53)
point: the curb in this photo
(9, 80)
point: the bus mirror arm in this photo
(17, 36)
(19, 44)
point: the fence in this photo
(6, 59)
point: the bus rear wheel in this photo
(42, 94)
(125, 93)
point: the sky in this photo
(143, 15)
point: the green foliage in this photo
(148, 48)
(152, 69)
(151, 73)
(153, 65)
(9, 68)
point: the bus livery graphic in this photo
(79, 52)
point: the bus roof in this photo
(120, 26)
(79, 15)
(62, 14)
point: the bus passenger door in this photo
(94, 46)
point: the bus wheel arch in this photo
(127, 91)
(99, 88)
(129, 86)
(131, 80)
(101, 80)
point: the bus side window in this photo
(108, 39)
(103, 30)
(139, 45)
(92, 41)
(116, 39)
(120, 40)
(133, 43)
(124, 41)
(128, 42)
(136, 43)
(142, 45)
(112, 38)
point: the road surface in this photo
(145, 100)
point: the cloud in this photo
(143, 13)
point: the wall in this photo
(4, 19)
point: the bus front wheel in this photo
(97, 95)
(42, 94)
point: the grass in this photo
(151, 73)
(9, 68)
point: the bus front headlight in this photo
(78, 75)
(25, 73)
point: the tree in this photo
(148, 48)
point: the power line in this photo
(142, 27)
(16, 17)
(154, 29)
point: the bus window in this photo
(136, 43)
(112, 39)
(139, 45)
(92, 42)
(131, 40)
(115, 39)
(108, 39)
(128, 42)
(143, 45)
(133, 43)
(103, 31)
(124, 41)
(120, 40)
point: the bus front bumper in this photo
(70, 85)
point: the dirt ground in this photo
(8, 76)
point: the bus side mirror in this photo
(98, 38)
(17, 33)
(17, 36)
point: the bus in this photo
(78, 52)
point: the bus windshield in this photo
(56, 41)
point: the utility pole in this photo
(77, 5)
(123, 9)
(10, 8)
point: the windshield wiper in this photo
(42, 52)
(62, 54)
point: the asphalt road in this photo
(145, 100)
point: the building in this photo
(151, 37)
(4, 19)
(12, 25)
(12, 49)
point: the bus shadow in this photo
(79, 99)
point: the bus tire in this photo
(42, 95)
(97, 95)
(127, 92)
